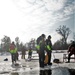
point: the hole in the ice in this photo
(72, 71)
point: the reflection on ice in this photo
(38, 71)
(45, 72)
(60, 71)
(14, 73)
(32, 67)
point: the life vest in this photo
(48, 47)
(12, 49)
(29, 50)
(38, 47)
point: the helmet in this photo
(73, 42)
(49, 36)
(13, 42)
(43, 35)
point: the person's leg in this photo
(24, 56)
(69, 57)
(39, 60)
(49, 58)
(15, 57)
(30, 55)
(74, 56)
(12, 58)
(42, 59)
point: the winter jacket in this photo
(71, 49)
(48, 45)
(12, 49)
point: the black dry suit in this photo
(71, 50)
(49, 50)
(42, 53)
(41, 49)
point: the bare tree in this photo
(17, 42)
(17, 39)
(64, 32)
(5, 43)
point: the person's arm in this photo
(69, 48)
(50, 44)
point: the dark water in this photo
(45, 72)
(62, 71)
(72, 71)
(56, 71)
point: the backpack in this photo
(56, 61)
(46, 59)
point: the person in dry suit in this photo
(23, 49)
(71, 51)
(30, 53)
(13, 51)
(17, 56)
(49, 49)
(41, 50)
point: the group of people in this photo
(14, 52)
(44, 45)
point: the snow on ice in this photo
(32, 67)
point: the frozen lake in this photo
(32, 67)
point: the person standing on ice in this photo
(23, 52)
(17, 56)
(41, 50)
(49, 49)
(13, 51)
(30, 53)
(71, 51)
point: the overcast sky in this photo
(30, 18)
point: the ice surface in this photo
(32, 67)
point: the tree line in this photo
(60, 44)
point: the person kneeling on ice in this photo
(13, 51)
(71, 51)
